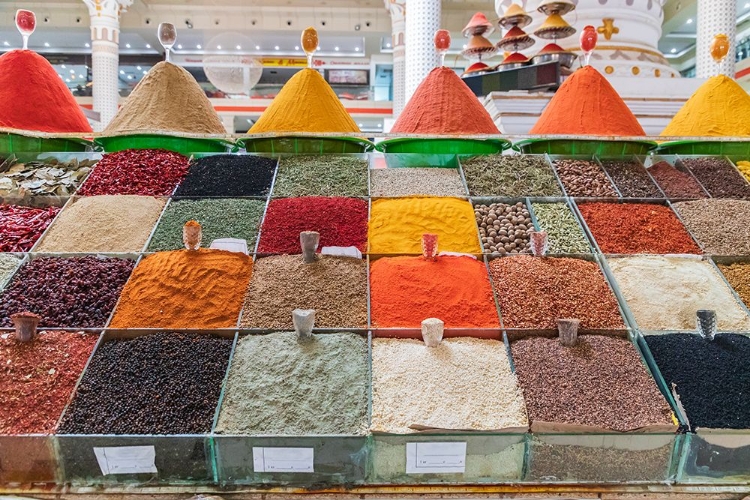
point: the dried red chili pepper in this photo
(151, 172)
(20, 227)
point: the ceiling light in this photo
(747, 5)
(144, 71)
(127, 45)
(380, 125)
(138, 68)
(336, 49)
(122, 72)
(148, 45)
(464, 46)
(62, 66)
(318, 48)
(61, 77)
(130, 77)
(356, 49)
(673, 50)
(690, 21)
(67, 80)
(6, 44)
(239, 47)
(72, 77)
(276, 47)
(46, 44)
(179, 46)
(218, 47)
(296, 47)
(87, 44)
(80, 76)
(72, 71)
(359, 125)
(249, 120)
(388, 45)
(198, 47)
(257, 47)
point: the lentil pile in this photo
(504, 229)
(75, 292)
(21, 227)
(631, 179)
(49, 177)
(38, 378)
(719, 177)
(738, 276)
(675, 183)
(148, 172)
(182, 371)
(327, 393)
(628, 228)
(397, 225)
(584, 178)
(108, 223)
(535, 293)
(663, 293)
(564, 234)
(185, 289)
(407, 290)
(228, 175)
(600, 382)
(719, 226)
(8, 265)
(510, 176)
(394, 182)
(336, 287)
(710, 377)
(219, 218)
(341, 222)
(324, 175)
(480, 394)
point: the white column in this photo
(714, 17)
(105, 39)
(397, 9)
(422, 20)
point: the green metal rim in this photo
(705, 148)
(584, 146)
(16, 143)
(305, 144)
(443, 145)
(182, 145)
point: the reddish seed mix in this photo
(675, 183)
(340, 222)
(630, 228)
(535, 292)
(152, 172)
(37, 377)
(20, 227)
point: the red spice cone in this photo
(443, 104)
(586, 104)
(34, 97)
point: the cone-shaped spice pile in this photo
(168, 99)
(33, 96)
(586, 104)
(306, 103)
(719, 107)
(443, 104)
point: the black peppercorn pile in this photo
(76, 292)
(228, 175)
(711, 377)
(165, 383)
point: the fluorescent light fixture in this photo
(127, 45)
(198, 46)
(46, 44)
(690, 21)
(239, 47)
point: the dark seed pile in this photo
(228, 175)
(599, 382)
(76, 292)
(675, 183)
(165, 383)
(719, 177)
(712, 378)
(631, 179)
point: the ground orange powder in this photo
(407, 290)
(443, 104)
(306, 103)
(586, 104)
(720, 107)
(185, 289)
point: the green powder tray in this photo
(593, 146)
(708, 148)
(439, 152)
(309, 145)
(182, 145)
(15, 143)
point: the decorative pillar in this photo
(397, 8)
(421, 56)
(714, 17)
(105, 40)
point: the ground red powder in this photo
(586, 104)
(341, 222)
(407, 290)
(34, 97)
(443, 104)
(630, 228)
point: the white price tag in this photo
(283, 459)
(230, 245)
(126, 459)
(435, 458)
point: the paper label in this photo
(283, 459)
(126, 460)
(342, 252)
(435, 458)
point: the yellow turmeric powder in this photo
(397, 225)
(720, 107)
(306, 103)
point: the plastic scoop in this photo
(192, 234)
(539, 243)
(304, 322)
(167, 37)
(432, 331)
(429, 245)
(567, 328)
(706, 321)
(309, 241)
(25, 324)
(25, 24)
